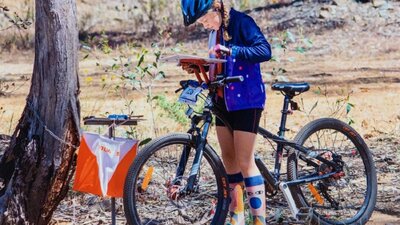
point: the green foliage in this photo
(339, 108)
(282, 44)
(105, 47)
(141, 73)
(18, 23)
(308, 112)
(287, 41)
(349, 106)
(173, 110)
(133, 67)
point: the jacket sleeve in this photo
(257, 48)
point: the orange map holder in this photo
(103, 162)
(198, 62)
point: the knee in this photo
(228, 155)
(246, 164)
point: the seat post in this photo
(285, 112)
(281, 133)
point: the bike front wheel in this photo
(153, 192)
(347, 199)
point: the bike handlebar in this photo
(234, 79)
(212, 85)
(226, 80)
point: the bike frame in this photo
(200, 139)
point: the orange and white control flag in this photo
(103, 164)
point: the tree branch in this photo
(272, 6)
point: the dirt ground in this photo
(351, 61)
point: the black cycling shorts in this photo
(243, 120)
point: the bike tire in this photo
(131, 194)
(360, 154)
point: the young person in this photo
(237, 36)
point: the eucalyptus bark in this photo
(36, 169)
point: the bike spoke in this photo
(348, 192)
(155, 204)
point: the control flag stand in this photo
(113, 121)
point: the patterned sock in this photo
(256, 198)
(236, 208)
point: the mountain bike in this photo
(179, 178)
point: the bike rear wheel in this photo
(348, 199)
(152, 193)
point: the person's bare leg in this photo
(226, 142)
(244, 148)
(235, 178)
(244, 151)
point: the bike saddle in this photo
(291, 87)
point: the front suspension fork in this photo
(201, 143)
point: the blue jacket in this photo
(249, 49)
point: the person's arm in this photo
(257, 48)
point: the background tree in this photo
(36, 169)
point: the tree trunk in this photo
(36, 169)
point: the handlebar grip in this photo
(234, 79)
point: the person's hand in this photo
(219, 50)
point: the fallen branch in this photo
(272, 6)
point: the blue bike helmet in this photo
(194, 9)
